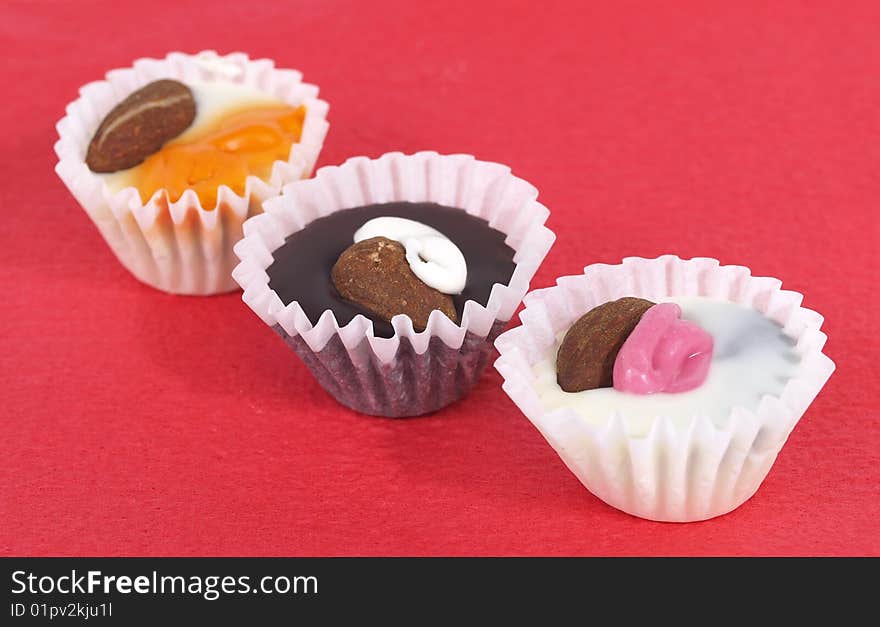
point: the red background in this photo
(138, 423)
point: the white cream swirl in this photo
(432, 256)
(212, 62)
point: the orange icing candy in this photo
(224, 151)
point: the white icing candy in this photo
(433, 257)
(752, 357)
(217, 98)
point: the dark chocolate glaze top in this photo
(301, 270)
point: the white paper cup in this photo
(685, 468)
(410, 373)
(182, 247)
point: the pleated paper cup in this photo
(410, 373)
(685, 468)
(182, 247)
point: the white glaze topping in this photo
(752, 358)
(212, 62)
(432, 256)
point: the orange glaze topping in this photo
(225, 151)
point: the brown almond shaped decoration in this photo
(585, 360)
(375, 275)
(140, 125)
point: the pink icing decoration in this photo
(663, 354)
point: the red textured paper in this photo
(138, 423)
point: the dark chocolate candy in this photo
(301, 270)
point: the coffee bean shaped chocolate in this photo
(585, 360)
(374, 274)
(140, 125)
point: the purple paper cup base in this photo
(410, 385)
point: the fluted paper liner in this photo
(410, 373)
(685, 468)
(182, 247)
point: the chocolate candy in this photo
(302, 265)
(375, 274)
(585, 360)
(140, 125)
